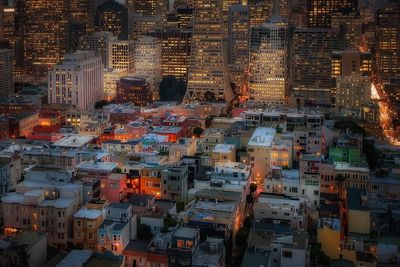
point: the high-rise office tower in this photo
(175, 52)
(77, 80)
(311, 70)
(112, 16)
(320, 11)
(6, 72)
(148, 62)
(260, 11)
(11, 27)
(387, 35)
(98, 42)
(121, 55)
(349, 27)
(238, 42)
(208, 72)
(181, 18)
(82, 14)
(268, 79)
(297, 14)
(45, 33)
(146, 16)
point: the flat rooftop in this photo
(186, 232)
(85, 213)
(95, 165)
(223, 148)
(74, 141)
(262, 136)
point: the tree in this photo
(180, 206)
(100, 104)
(349, 124)
(253, 187)
(144, 232)
(241, 236)
(340, 178)
(172, 89)
(198, 131)
(168, 223)
(372, 155)
(209, 96)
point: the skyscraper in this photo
(45, 33)
(121, 55)
(387, 35)
(148, 62)
(146, 16)
(112, 16)
(12, 34)
(320, 11)
(82, 21)
(98, 42)
(208, 72)
(268, 79)
(6, 72)
(77, 80)
(238, 42)
(311, 71)
(175, 52)
(260, 10)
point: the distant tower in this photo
(46, 26)
(113, 17)
(268, 81)
(208, 72)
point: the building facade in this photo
(77, 80)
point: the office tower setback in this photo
(121, 55)
(77, 80)
(268, 79)
(238, 42)
(311, 71)
(175, 52)
(208, 72)
(320, 11)
(98, 42)
(112, 16)
(6, 72)
(148, 62)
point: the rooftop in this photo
(186, 232)
(75, 258)
(262, 136)
(74, 141)
(96, 165)
(223, 148)
(85, 213)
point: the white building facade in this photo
(77, 80)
